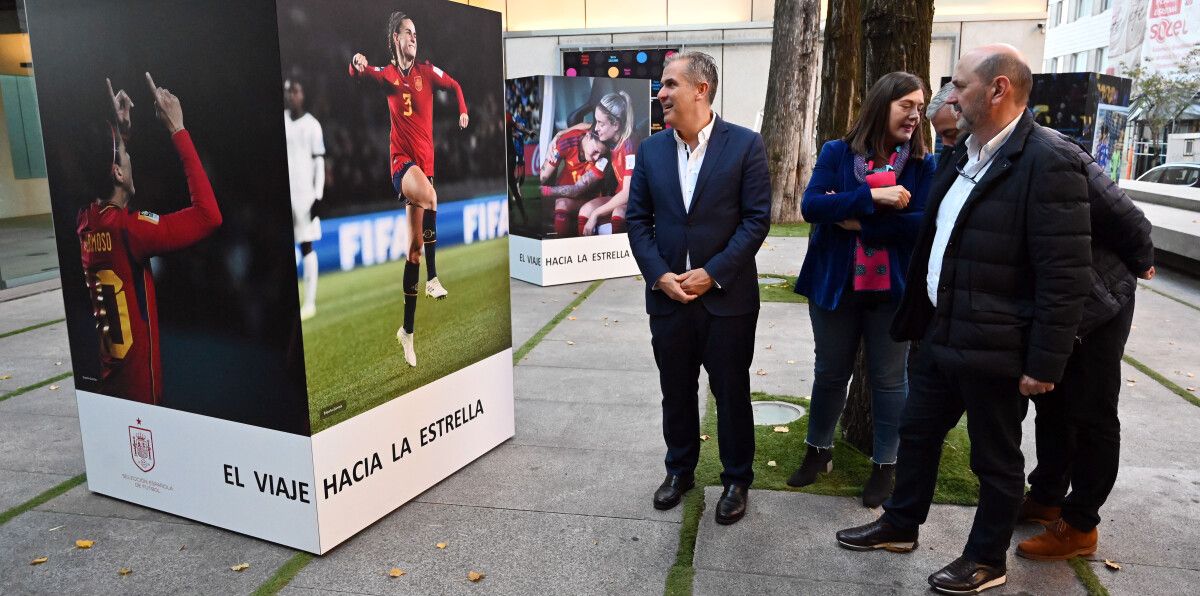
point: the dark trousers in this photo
(937, 397)
(1077, 429)
(683, 341)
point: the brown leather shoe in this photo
(1059, 542)
(1032, 511)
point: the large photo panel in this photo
(575, 143)
(175, 248)
(394, 114)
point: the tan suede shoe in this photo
(1059, 542)
(1032, 511)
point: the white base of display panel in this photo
(309, 493)
(568, 260)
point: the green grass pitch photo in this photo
(350, 348)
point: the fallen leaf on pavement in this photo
(475, 576)
(769, 346)
(570, 343)
(704, 437)
(1130, 384)
(791, 361)
(572, 318)
(442, 545)
(760, 372)
(1115, 566)
(771, 463)
(39, 560)
(396, 572)
(1191, 375)
(781, 429)
(240, 567)
(54, 387)
(55, 528)
(84, 543)
(1192, 389)
(124, 571)
(5, 377)
(59, 363)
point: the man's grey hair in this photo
(700, 68)
(938, 101)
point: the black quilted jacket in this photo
(1121, 245)
(1016, 272)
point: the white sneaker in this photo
(406, 342)
(308, 311)
(434, 289)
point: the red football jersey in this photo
(116, 245)
(622, 158)
(569, 153)
(410, 106)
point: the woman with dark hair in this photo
(865, 199)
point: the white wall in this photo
(1085, 34)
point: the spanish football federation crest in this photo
(418, 84)
(141, 447)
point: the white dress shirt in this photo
(979, 159)
(690, 161)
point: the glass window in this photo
(1053, 65)
(1188, 149)
(1151, 176)
(1190, 175)
(1055, 15)
(1083, 8)
(1103, 5)
(1081, 62)
(1098, 65)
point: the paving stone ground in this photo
(563, 507)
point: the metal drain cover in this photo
(775, 412)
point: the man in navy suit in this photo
(699, 208)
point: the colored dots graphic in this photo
(572, 72)
(642, 57)
(613, 72)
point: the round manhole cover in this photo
(775, 412)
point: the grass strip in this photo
(39, 384)
(957, 485)
(62, 487)
(1160, 293)
(790, 230)
(532, 342)
(285, 574)
(1087, 577)
(30, 328)
(780, 291)
(1165, 382)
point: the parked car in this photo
(1183, 174)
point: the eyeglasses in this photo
(978, 171)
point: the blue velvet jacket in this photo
(830, 256)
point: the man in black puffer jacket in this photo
(995, 293)
(1077, 428)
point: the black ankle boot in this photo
(816, 460)
(879, 486)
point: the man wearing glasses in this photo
(995, 293)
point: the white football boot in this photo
(434, 289)
(406, 342)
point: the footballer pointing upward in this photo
(116, 243)
(409, 88)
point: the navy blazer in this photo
(830, 256)
(727, 223)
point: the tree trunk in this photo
(787, 122)
(841, 69)
(896, 36)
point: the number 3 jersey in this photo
(410, 107)
(116, 245)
